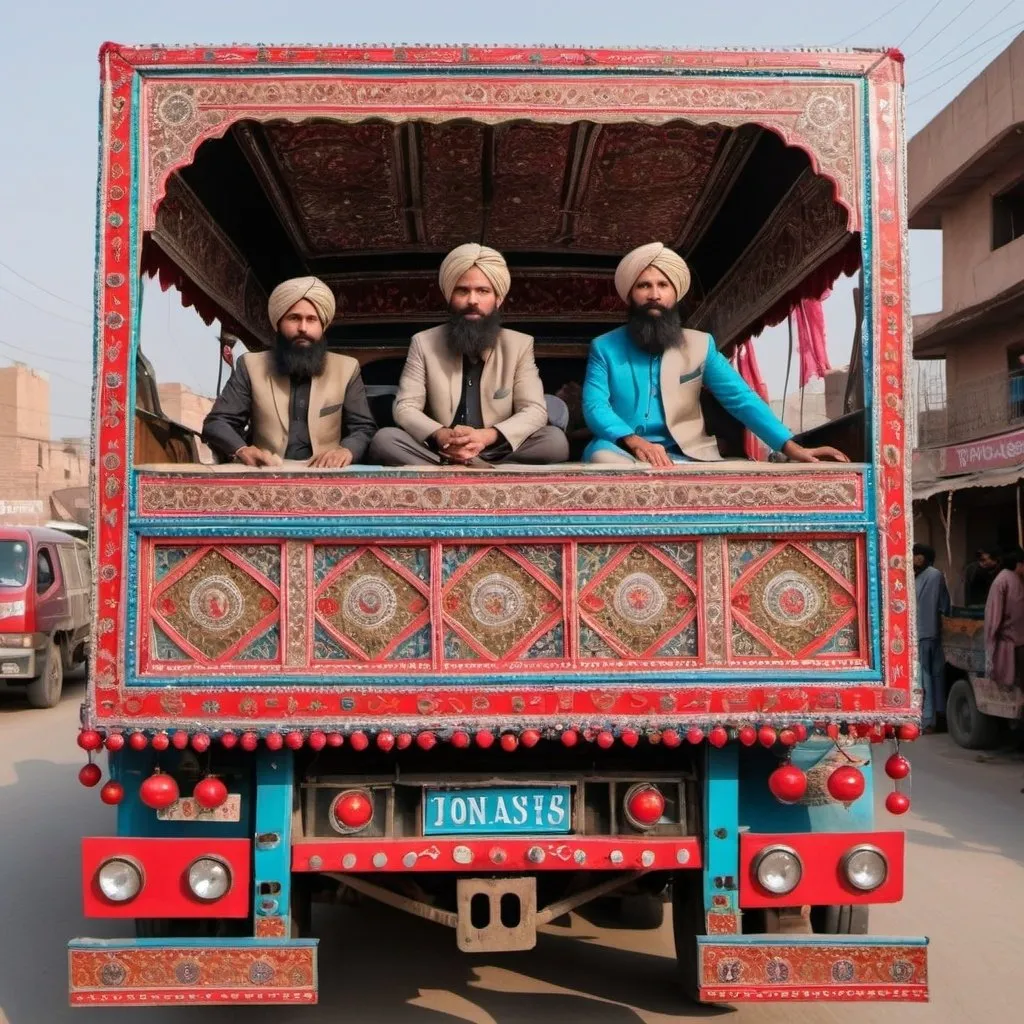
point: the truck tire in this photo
(44, 691)
(969, 727)
(840, 920)
(688, 924)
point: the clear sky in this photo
(49, 75)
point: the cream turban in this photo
(287, 293)
(489, 261)
(654, 254)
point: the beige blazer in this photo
(682, 377)
(271, 396)
(511, 393)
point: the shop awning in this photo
(987, 478)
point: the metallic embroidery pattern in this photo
(584, 492)
(500, 602)
(368, 605)
(216, 603)
(639, 598)
(213, 607)
(264, 557)
(785, 602)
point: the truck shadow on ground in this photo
(376, 964)
(405, 965)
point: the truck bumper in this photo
(18, 665)
(196, 972)
(827, 968)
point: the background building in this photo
(966, 179)
(43, 479)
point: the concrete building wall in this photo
(988, 108)
(32, 466)
(985, 356)
(972, 271)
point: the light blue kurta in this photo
(622, 396)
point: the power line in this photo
(935, 35)
(59, 376)
(982, 60)
(946, 65)
(45, 291)
(42, 309)
(43, 355)
(985, 24)
(48, 412)
(924, 18)
(864, 28)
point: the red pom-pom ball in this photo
(846, 784)
(897, 803)
(787, 783)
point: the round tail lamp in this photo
(643, 805)
(352, 811)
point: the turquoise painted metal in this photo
(272, 845)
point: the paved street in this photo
(965, 888)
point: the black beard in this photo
(302, 361)
(472, 337)
(653, 332)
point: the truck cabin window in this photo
(44, 572)
(13, 563)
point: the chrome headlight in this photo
(865, 867)
(119, 879)
(778, 870)
(209, 878)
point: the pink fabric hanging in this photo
(746, 366)
(810, 332)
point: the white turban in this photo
(654, 254)
(489, 262)
(312, 289)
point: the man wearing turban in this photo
(641, 396)
(297, 402)
(470, 393)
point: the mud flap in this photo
(191, 972)
(827, 968)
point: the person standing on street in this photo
(1004, 623)
(979, 576)
(932, 603)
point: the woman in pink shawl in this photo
(1004, 623)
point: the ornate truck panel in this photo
(571, 597)
(449, 610)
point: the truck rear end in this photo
(491, 697)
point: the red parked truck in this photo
(489, 697)
(45, 615)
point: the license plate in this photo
(10, 668)
(187, 809)
(545, 810)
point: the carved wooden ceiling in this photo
(345, 189)
(372, 207)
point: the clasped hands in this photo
(462, 444)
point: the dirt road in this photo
(965, 889)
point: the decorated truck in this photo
(489, 697)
